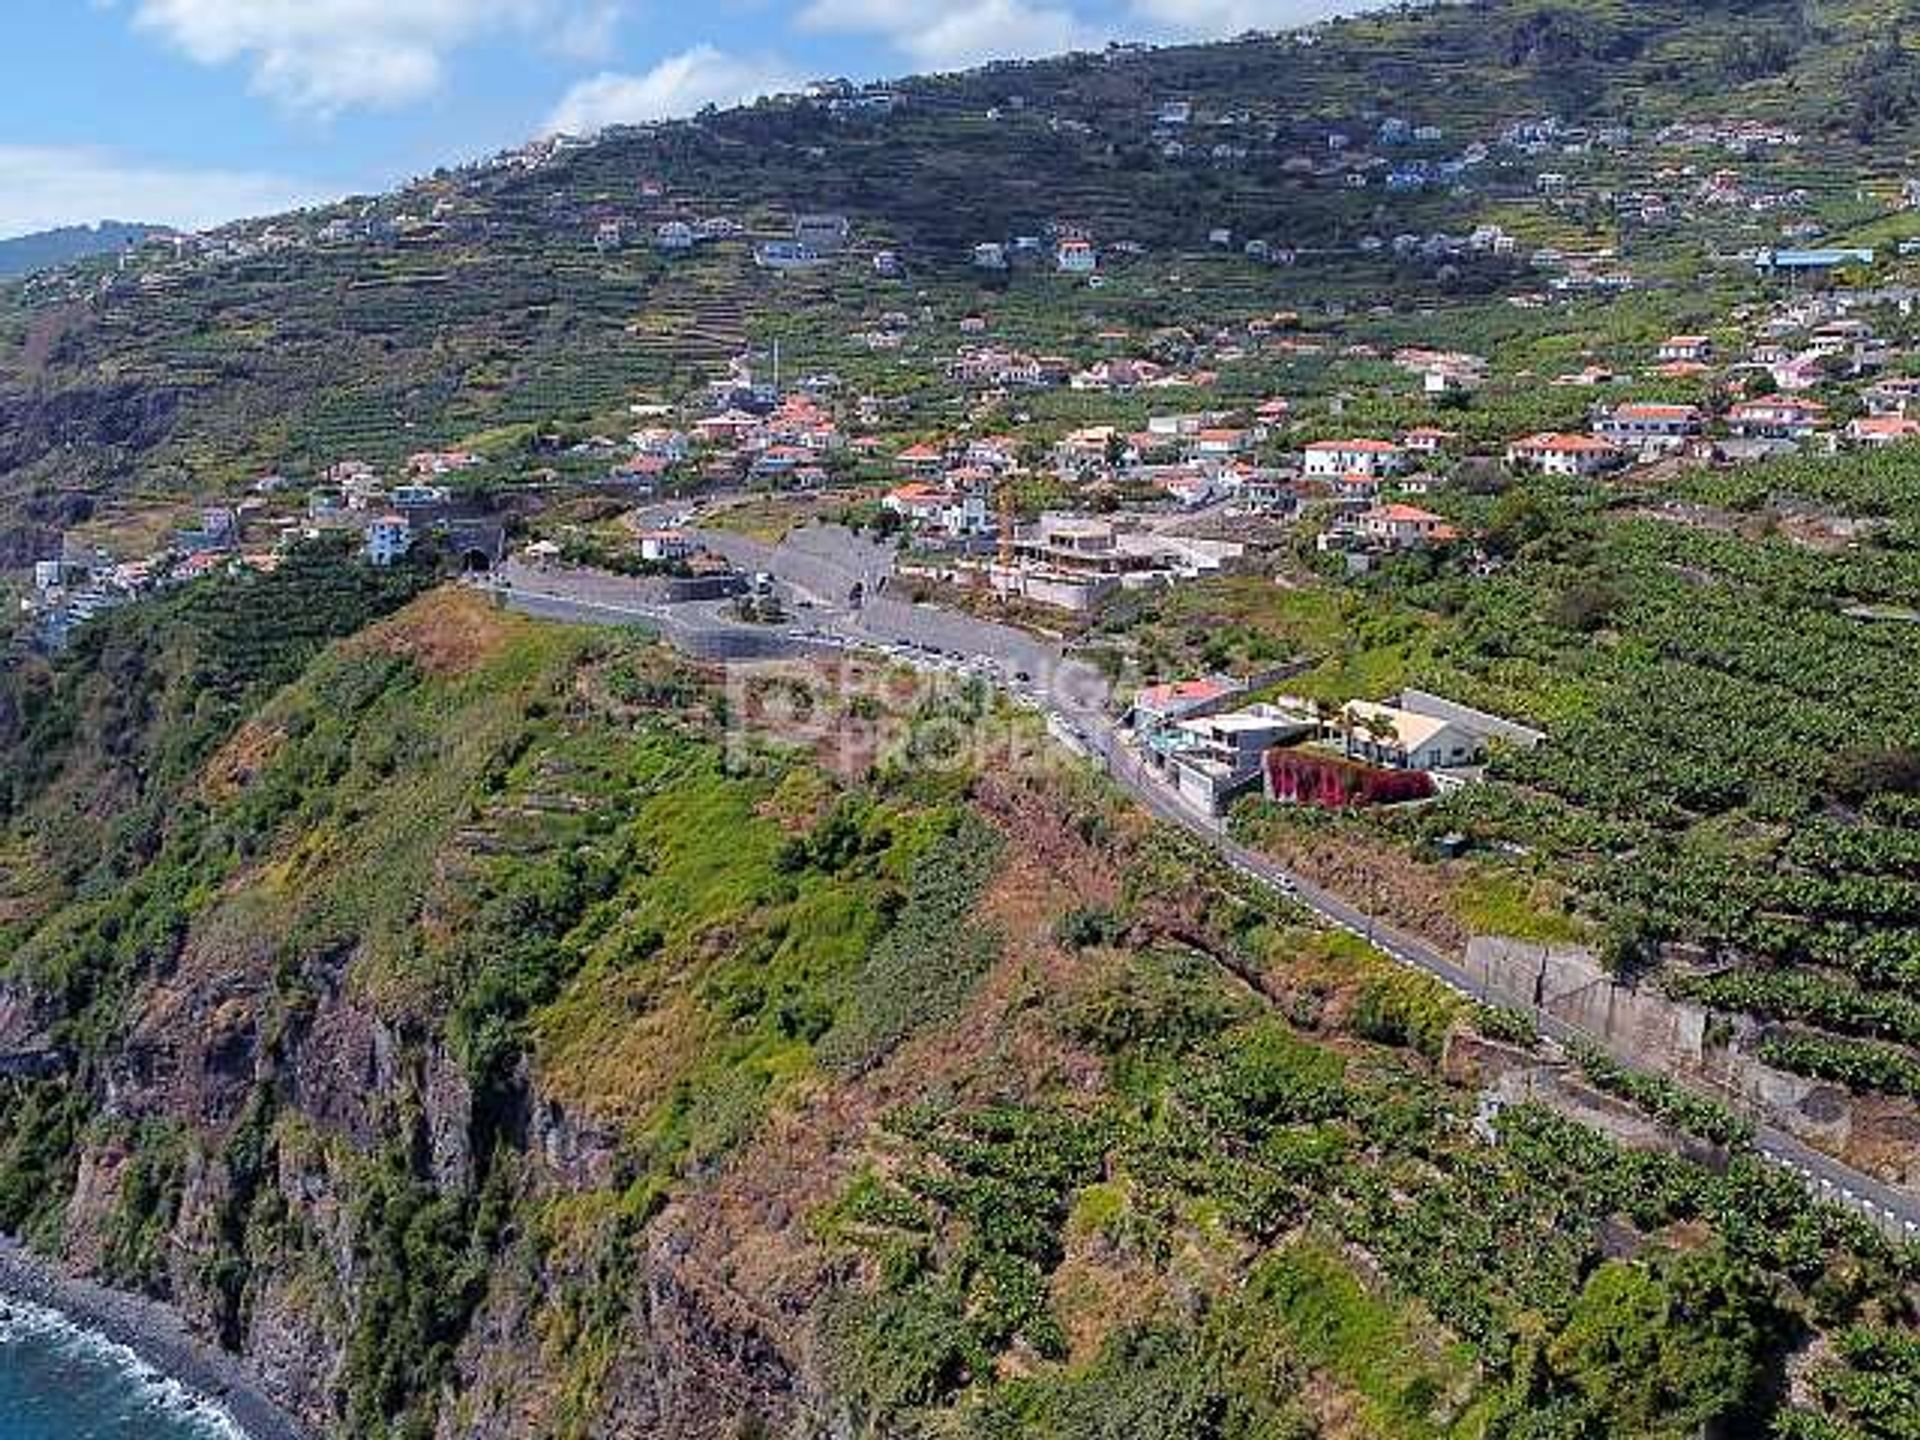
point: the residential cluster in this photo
(1213, 741)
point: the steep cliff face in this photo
(491, 1033)
(316, 1119)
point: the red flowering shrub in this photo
(1299, 777)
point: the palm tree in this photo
(1325, 712)
(1381, 732)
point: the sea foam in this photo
(148, 1390)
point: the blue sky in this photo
(190, 112)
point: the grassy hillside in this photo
(488, 311)
(484, 1042)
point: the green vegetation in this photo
(401, 975)
(151, 1190)
(931, 956)
(1665, 1100)
(1481, 1304)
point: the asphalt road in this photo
(1892, 1211)
(1076, 701)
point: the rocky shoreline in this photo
(156, 1335)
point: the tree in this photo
(1678, 1346)
(1586, 606)
(1518, 519)
(1382, 733)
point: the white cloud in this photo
(951, 34)
(43, 187)
(679, 85)
(328, 55)
(1211, 19)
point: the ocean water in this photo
(60, 1382)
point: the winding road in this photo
(1075, 699)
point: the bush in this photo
(1664, 1100)
(1084, 929)
(1329, 782)
(924, 968)
(1862, 772)
(1512, 1027)
(1402, 1008)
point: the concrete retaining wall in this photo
(1643, 1027)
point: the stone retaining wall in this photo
(1643, 1027)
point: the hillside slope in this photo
(497, 1030)
(476, 301)
(24, 254)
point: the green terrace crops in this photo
(1451, 1288)
(1732, 757)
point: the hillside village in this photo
(1417, 519)
(1049, 526)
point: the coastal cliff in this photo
(481, 1028)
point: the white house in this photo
(822, 234)
(1776, 417)
(1876, 431)
(1403, 740)
(389, 538)
(1551, 453)
(1687, 349)
(659, 547)
(661, 443)
(1218, 443)
(1157, 706)
(1217, 756)
(1371, 458)
(931, 507)
(1404, 527)
(1426, 440)
(675, 235)
(1893, 396)
(1648, 426)
(1076, 257)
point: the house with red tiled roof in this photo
(1646, 426)
(1159, 705)
(957, 511)
(1875, 431)
(1428, 440)
(729, 428)
(1218, 444)
(640, 470)
(922, 459)
(1687, 349)
(916, 502)
(1405, 527)
(1554, 453)
(1776, 417)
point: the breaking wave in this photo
(79, 1378)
